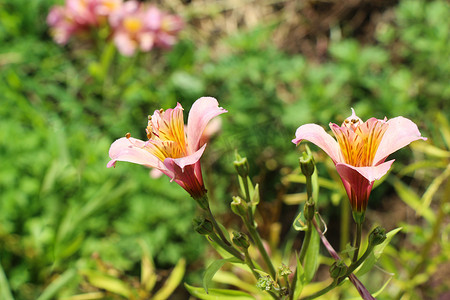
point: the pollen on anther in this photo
(128, 135)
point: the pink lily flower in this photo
(79, 16)
(142, 27)
(168, 148)
(361, 150)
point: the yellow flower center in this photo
(132, 24)
(165, 133)
(359, 141)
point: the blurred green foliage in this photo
(61, 108)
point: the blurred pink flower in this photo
(168, 148)
(137, 26)
(79, 16)
(361, 150)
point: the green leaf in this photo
(300, 279)
(213, 268)
(429, 149)
(148, 275)
(376, 253)
(230, 278)
(108, 283)
(433, 188)
(172, 282)
(5, 291)
(312, 256)
(410, 198)
(299, 223)
(217, 294)
(56, 285)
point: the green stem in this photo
(249, 262)
(227, 248)
(305, 244)
(257, 239)
(217, 227)
(357, 242)
(345, 228)
(322, 292)
(302, 255)
(356, 264)
(248, 199)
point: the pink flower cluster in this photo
(133, 25)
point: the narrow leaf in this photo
(300, 280)
(212, 270)
(230, 278)
(56, 285)
(376, 253)
(312, 256)
(172, 282)
(410, 198)
(148, 275)
(217, 294)
(429, 149)
(433, 188)
(108, 283)
(5, 291)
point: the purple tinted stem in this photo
(358, 285)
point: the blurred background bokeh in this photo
(69, 226)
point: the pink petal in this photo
(131, 150)
(347, 172)
(317, 135)
(202, 111)
(124, 44)
(182, 162)
(401, 132)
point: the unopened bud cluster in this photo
(377, 236)
(203, 226)
(241, 240)
(306, 162)
(338, 269)
(241, 166)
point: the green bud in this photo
(284, 271)
(239, 206)
(203, 226)
(309, 210)
(241, 165)
(338, 269)
(377, 236)
(265, 283)
(241, 240)
(306, 163)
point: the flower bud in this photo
(202, 225)
(306, 163)
(309, 210)
(266, 283)
(338, 269)
(241, 165)
(377, 236)
(241, 240)
(284, 271)
(239, 206)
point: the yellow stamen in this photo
(359, 140)
(132, 24)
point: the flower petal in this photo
(400, 132)
(131, 150)
(347, 171)
(317, 135)
(202, 111)
(182, 162)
